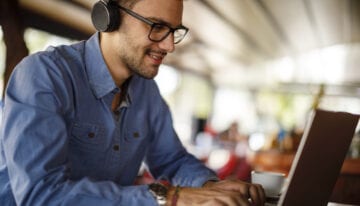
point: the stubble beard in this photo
(133, 57)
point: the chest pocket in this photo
(89, 136)
(135, 134)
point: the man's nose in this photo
(168, 43)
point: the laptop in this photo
(319, 158)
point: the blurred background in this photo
(243, 81)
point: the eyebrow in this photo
(160, 21)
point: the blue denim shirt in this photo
(61, 144)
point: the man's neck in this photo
(117, 69)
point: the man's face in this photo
(139, 54)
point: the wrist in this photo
(209, 183)
(173, 195)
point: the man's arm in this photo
(36, 141)
(168, 159)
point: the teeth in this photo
(156, 57)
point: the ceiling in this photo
(244, 43)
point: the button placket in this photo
(116, 141)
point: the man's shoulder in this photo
(61, 56)
(65, 52)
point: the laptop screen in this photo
(319, 158)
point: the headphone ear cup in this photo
(105, 16)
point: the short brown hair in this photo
(128, 3)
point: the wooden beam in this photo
(13, 36)
(63, 12)
(85, 3)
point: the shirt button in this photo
(136, 134)
(91, 135)
(116, 147)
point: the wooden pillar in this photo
(13, 36)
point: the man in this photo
(80, 119)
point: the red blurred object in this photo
(235, 167)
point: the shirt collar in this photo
(98, 74)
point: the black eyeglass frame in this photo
(153, 24)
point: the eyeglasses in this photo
(159, 31)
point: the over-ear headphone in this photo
(105, 15)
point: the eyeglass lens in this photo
(159, 32)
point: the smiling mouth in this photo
(157, 57)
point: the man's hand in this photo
(255, 192)
(227, 192)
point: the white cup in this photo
(272, 182)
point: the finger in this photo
(214, 203)
(243, 201)
(235, 199)
(244, 190)
(254, 195)
(261, 192)
(228, 198)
